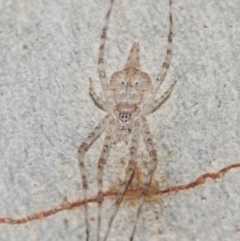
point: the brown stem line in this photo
(129, 193)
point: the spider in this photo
(128, 97)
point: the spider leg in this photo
(128, 175)
(101, 68)
(153, 154)
(101, 163)
(158, 102)
(99, 102)
(98, 130)
(166, 63)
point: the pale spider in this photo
(129, 97)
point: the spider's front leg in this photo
(152, 166)
(101, 163)
(128, 175)
(98, 130)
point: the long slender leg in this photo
(101, 69)
(101, 163)
(158, 102)
(100, 102)
(166, 63)
(128, 175)
(153, 154)
(81, 151)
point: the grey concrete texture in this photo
(49, 49)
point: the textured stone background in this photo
(48, 49)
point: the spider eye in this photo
(122, 82)
(136, 83)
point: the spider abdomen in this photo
(130, 85)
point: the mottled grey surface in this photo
(48, 49)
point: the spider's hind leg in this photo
(165, 66)
(101, 67)
(158, 102)
(98, 100)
